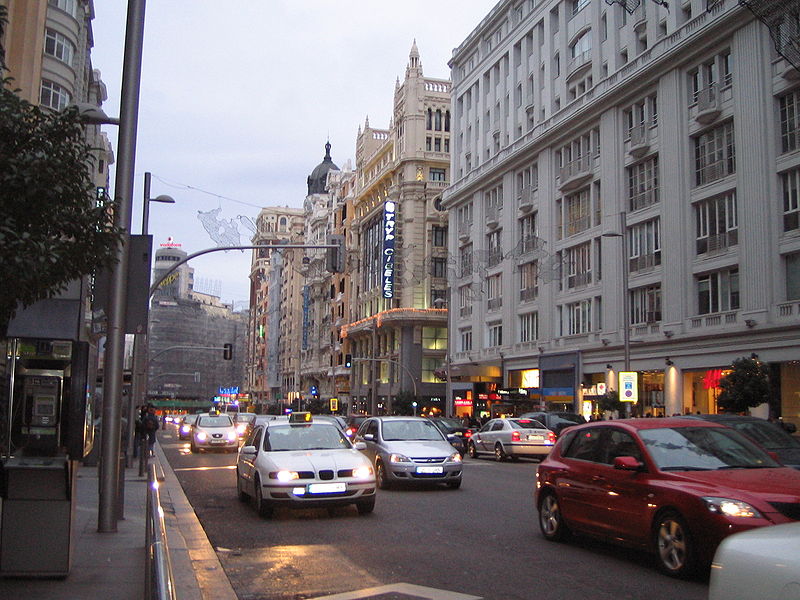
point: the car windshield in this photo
(217, 421)
(284, 438)
(526, 424)
(245, 417)
(768, 435)
(410, 430)
(189, 419)
(703, 449)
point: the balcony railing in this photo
(644, 199)
(493, 215)
(494, 303)
(465, 311)
(528, 294)
(465, 229)
(494, 257)
(708, 104)
(644, 261)
(573, 173)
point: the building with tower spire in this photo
(397, 327)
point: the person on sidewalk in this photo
(150, 424)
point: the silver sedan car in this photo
(512, 438)
(303, 463)
(214, 432)
(409, 449)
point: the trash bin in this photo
(37, 517)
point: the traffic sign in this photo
(628, 386)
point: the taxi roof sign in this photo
(300, 417)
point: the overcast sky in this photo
(239, 97)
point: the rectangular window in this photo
(438, 174)
(53, 96)
(579, 212)
(528, 238)
(790, 189)
(643, 184)
(438, 267)
(58, 46)
(439, 236)
(466, 340)
(793, 276)
(465, 260)
(716, 224)
(646, 305)
(529, 327)
(434, 338)
(579, 265)
(494, 291)
(437, 144)
(790, 121)
(495, 335)
(528, 281)
(579, 317)
(718, 291)
(714, 154)
(644, 245)
(494, 248)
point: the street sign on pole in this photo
(628, 386)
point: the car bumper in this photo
(302, 495)
(436, 473)
(213, 445)
(522, 449)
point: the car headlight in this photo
(399, 458)
(232, 436)
(185, 429)
(454, 457)
(730, 508)
(286, 475)
(240, 429)
(201, 435)
(362, 472)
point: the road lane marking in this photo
(413, 591)
(229, 467)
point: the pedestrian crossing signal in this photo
(334, 404)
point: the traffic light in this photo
(334, 404)
(314, 391)
(334, 257)
(348, 360)
(227, 351)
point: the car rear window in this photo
(216, 421)
(314, 436)
(526, 424)
(410, 430)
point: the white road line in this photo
(417, 591)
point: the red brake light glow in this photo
(515, 436)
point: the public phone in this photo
(42, 397)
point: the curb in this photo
(196, 569)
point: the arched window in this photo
(447, 121)
(282, 224)
(438, 122)
(428, 124)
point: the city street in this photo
(482, 540)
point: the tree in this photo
(746, 386)
(402, 403)
(611, 402)
(52, 231)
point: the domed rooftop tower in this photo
(316, 181)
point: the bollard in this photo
(143, 452)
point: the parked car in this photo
(303, 462)
(409, 449)
(185, 426)
(763, 564)
(555, 421)
(512, 438)
(771, 436)
(340, 422)
(214, 432)
(674, 486)
(451, 426)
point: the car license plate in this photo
(430, 470)
(217, 441)
(536, 438)
(326, 488)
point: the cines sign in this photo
(389, 230)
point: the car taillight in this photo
(515, 436)
(551, 437)
(468, 433)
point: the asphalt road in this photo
(482, 540)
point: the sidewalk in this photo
(112, 565)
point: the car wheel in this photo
(239, 491)
(454, 484)
(264, 510)
(366, 506)
(472, 450)
(499, 454)
(550, 520)
(673, 543)
(382, 476)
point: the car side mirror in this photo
(360, 446)
(369, 437)
(627, 463)
(248, 449)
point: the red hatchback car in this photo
(672, 486)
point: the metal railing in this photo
(159, 584)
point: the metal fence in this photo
(159, 584)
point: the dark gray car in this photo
(409, 449)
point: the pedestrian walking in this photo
(150, 424)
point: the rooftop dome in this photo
(316, 181)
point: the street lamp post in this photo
(626, 333)
(140, 340)
(115, 340)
